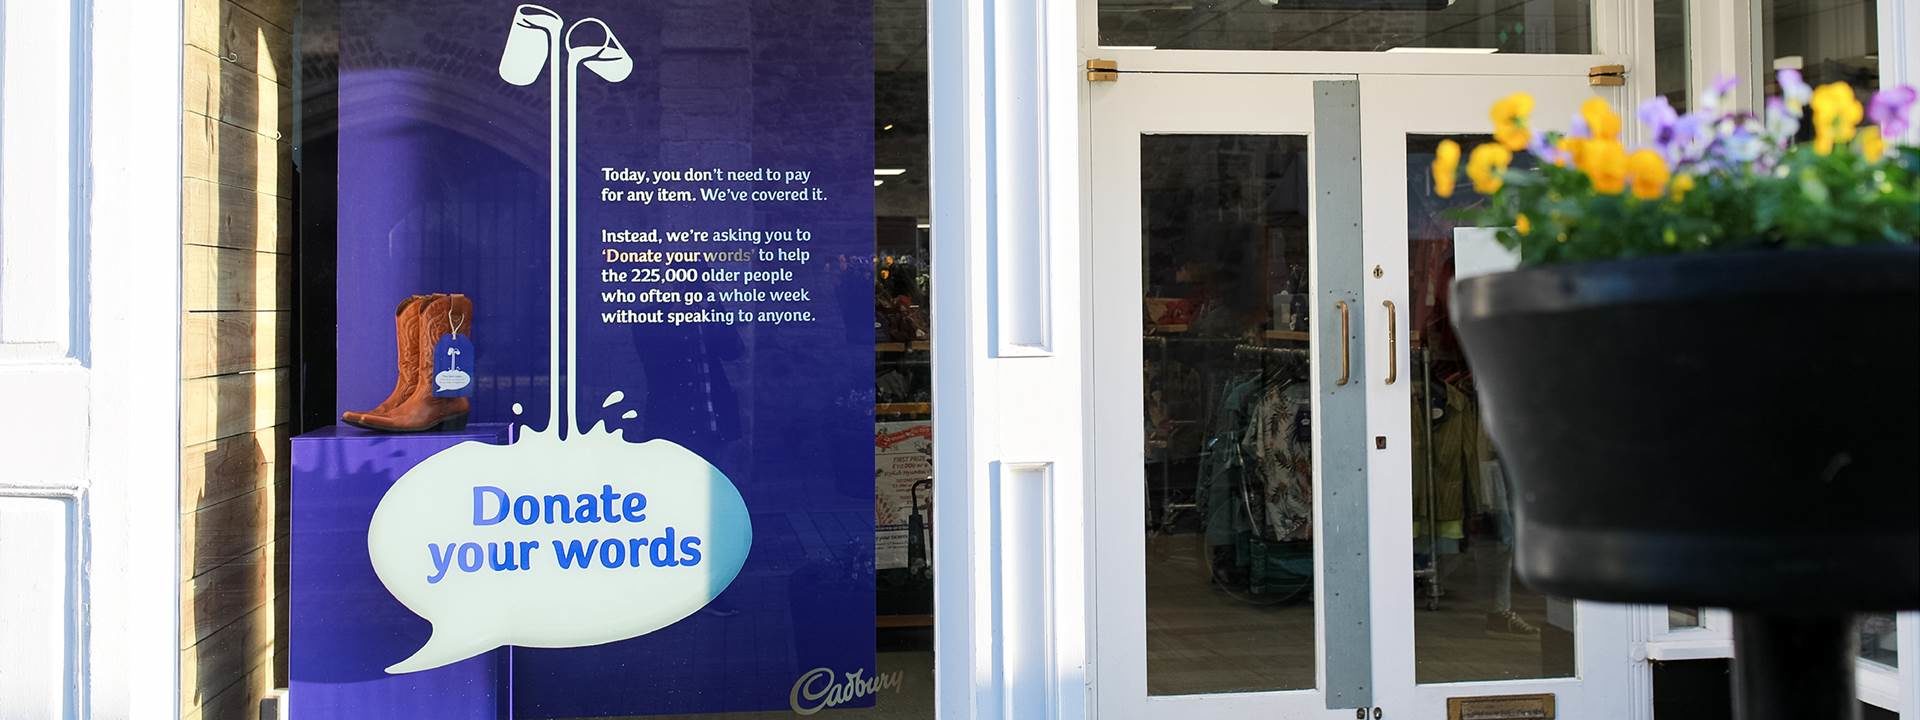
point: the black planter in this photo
(1734, 430)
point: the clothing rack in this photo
(1431, 572)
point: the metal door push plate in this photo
(1501, 707)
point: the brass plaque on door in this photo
(1501, 707)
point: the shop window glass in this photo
(1683, 617)
(1476, 620)
(1479, 26)
(1672, 53)
(1229, 467)
(697, 74)
(1878, 639)
(1827, 40)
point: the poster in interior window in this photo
(663, 214)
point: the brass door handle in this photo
(1393, 343)
(1346, 354)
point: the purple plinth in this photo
(345, 627)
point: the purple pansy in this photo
(1720, 95)
(1889, 109)
(1661, 121)
(1542, 146)
(1795, 90)
(1782, 122)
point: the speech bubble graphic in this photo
(555, 543)
(451, 380)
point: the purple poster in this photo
(662, 213)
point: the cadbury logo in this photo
(818, 689)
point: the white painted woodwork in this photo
(1010, 626)
(89, 358)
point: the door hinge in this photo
(1102, 70)
(1607, 75)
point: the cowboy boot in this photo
(420, 410)
(406, 330)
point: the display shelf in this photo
(1292, 335)
(903, 408)
(903, 621)
(901, 347)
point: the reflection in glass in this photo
(1683, 617)
(1827, 40)
(1478, 621)
(1480, 26)
(1672, 53)
(1229, 467)
(1878, 637)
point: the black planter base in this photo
(1733, 430)
(1797, 668)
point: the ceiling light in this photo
(924, 226)
(888, 126)
(889, 172)
(878, 183)
(1445, 50)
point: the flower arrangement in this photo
(1714, 179)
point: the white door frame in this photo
(1010, 630)
(1121, 113)
(1394, 106)
(89, 358)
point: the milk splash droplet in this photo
(614, 397)
(629, 415)
(517, 409)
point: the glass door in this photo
(1451, 621)
(1219, 569)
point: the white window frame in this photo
(90, 119)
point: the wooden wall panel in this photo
(235, 217)
(235, 34)
(236, 353)
(219, 343)
(231, 531)
(232, 94)
(216, 407)
(232, 155)
(215, 279)
(228, 657)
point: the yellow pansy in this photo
(1575, 149)
(1606, 166)
(1835, 115)
(1602, 123)
(1522, 225)
(1649, 173)
(1485, 165)
(1510, 121)
(1872, 147)
(1682, 184)
(1446, 163)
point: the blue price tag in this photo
(453, 360)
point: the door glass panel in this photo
(1672, 54)
(1229, 463)
(1478, 26)
(1879, 639)
(1827, 40)
(1476, 622)
(1683, 617)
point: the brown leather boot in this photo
(420, 410)
(406, 331)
